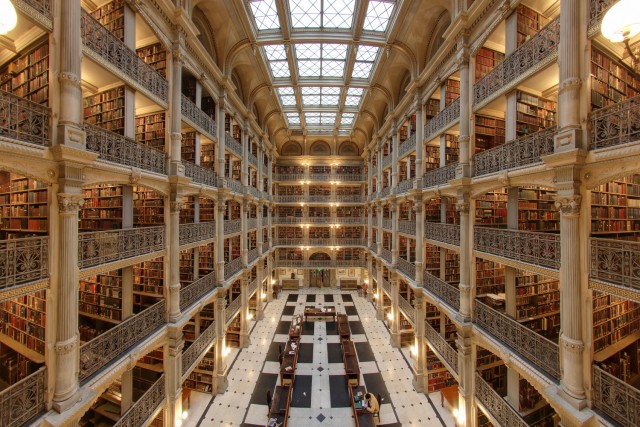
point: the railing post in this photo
(419, 377)
(221, 366)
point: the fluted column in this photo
(370, 224)
(173, 374)
(173, 264)
(270, 174)
(395, 310)
(466, 368)
(420, 351)
(175, 150)
(259, 278)
(245, 339)
(67, 344)
(395, 237)
(221, 134)
(380, 232)
(395, 141)
(259, 231)
(465, 115)
(419, 262)
(245, 156)
(219, 253)
(244, 244)
(221, 365)
(70, 121)
(466, 247)
(419, 139)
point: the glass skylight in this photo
(287, 96)
(321, 60)
(313, 119)
(320, 95)
(277, 56)
(346, 119)
(265, 14)
(293, 119)
(378, 15)
(354, 96)
(321, 14)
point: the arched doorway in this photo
(319, 277)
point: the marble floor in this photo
(254, 369)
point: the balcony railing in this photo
(597, 10)
(23, 261)
(373, 247)
(445, 233)
(38, 9)
(407, 227)
(384, 192)
(233, 145)
(23, 400)
(232, 309)
(616, 124)
(319, 220)
(344, 177)
(407, 146)
(232, 226)
(404, 186)
(374, 272)
(24, 120)
(540, 351)
(197, 232)
(344, 198)
(406, 267)
(232, 267)
(386, 286)
(531, 57)
(233, 185)
(290, 198)
(348, 177)
(115, 148)
(615, 262)
(193, 292)
(387, 224)
(197, 348)
(344, 241)
(496, 406)
(314, 263)
(253, 159)
(442, 120)
(386, 255)
(407, 309)
(523, 151)
(101, 247)
(290, 177)
(145, 407)
(107, 49)
(266, 246)
(386, 161)
(253, 191)
(532, 247)
(615, 398)
(200, 174)
(441, 289)
(252, 287)
(441, 346)
(100, 351)
(197, 118)
(252, 255)
(252, 223)
(439, 176)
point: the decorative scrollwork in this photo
(439, 176)
(616, 398)
(232, 309)
(195, 291)
(232, 268)
(23, 400)
(252, 255)
(597, 10)
(616, 262)
(144, 407)
(386, 255)
(197, 232)
(616, 124)
(536, 248)
(200, 174)
(196, 117)
(24, 120)
(233, 145)
(441, 346)
(232, 226)
(407, 309)
(445, 233)
(197, 349)
(442, 120)
(408, 268)
(496, 405)
(450, 294)
(23, 261)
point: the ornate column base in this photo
(394, 339)
(259, 314)
(221, 382)
(63, 405)
(419, 380)
(245, 340)
(577, 403)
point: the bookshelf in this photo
(536, 210)
(432, 108)
(489, 277)
(349, 170)
(102, 208)
(156, 56)
(289, 170)
(432, 259)
(292, 190)
(538, 303)
(148, 278)
(186, 262)
(486, 60)
(296, 232)
(152, 361)
(319, 232)
(492, 369)
(148, 207)
(406, 331)
(201, 378)
(319, 169)
(290, 212)
(111, 16)
(611, 80)
(27, 74)
(489, 132)
(207, 154)
(206, 259)
(345, 190)
(452, 91)
(24, 206)
(349, 254)
(231, 248)
(452, 148)
(317, 190)
(188, 147)
(347, 211)
(432, 157)
(106, 109)
(491, 209)
(319, 211)
(451, 267)
(432, 210)
(150, 130)
(533, 113)
(22, 329)
(615, 209)
(100, 297)
(529, 23)
(616, 324)
(188, 211)
(189, 84)
(232, 337)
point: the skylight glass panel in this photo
(315, 95)
(312, 118)
(354, 96)
(367, 53)
(327, 118)
(265, 14)
(293, 118)
(355, 91)
(275, 52)
(332, 68)
(320, 119)
(362, 70)
(287, 96)
(309, 68)
(338, 13)
(321, 60)
(305, 13)
(378, 15)
(334, 51)
(309, 51)
(279, 69)
(347, 119)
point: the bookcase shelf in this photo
(102, 208)
(611, 80)
(148, 278)
(489, 132)
(186, 266)
(148, 207)
(150, 130)
(451, 267)
(106, 109)
(533, 113)
(486, 60)
(452, 91)
(206, 259)
(536, 210)
(100, 297)
(529, 23)
(538, 303)
(24, 206)
(615, 209)
(22, 327)
(489, 277)
(615, 320)
(491, 209)
(432, 108)
(232, 337)
(27, 74)
(156, 56)
(111, 16)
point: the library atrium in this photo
(319, 213)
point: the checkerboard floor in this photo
(319, 394)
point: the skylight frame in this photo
(321, 60)
(262, 12)
(378, 16)
(321, 14)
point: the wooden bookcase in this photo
(207, 210)
(491, 209)
(432, 259)
(615, 209)
(148, 207)
(486, 60)
(24, 207)
(452, 148)
(529, 23)
(612, 81)
(148, 278)
(533, 113)
(27, 74)
(536, 210)
(489, 277)
(432, 157)
(432, 108)
(188, 211)
(150, 130)
(451, 267)
(232, 337)
(616, 324)
(489, 132)
(102, 208)
(206, 259)
(100, 297)
(22, 329)
(452, 91)
(156, 56)
(289, 212)
(317, 190)
(289, 170)
(492, 369)
(111, 16)
(319, 233)
(187, 266)
(538, 303)
(106, 109)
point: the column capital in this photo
(70, 203)
(569, 206)
(176, 206)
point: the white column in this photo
(395, 311)
(395, 140)
(259, 231)
(244, 246)
(175, 151)
(419, 366)
(395, 236)
(219, 253)
(419, 262)
(221, 134)
(173, 264)
(245, 338)
(221, 365)
(465, 115)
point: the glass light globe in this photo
(8, 17)
(621, 21)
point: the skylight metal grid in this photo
(323, 96)
(354, 97)
(314, 119)
(346, 120)
(321, 59)
(378, 15)
(265, 14)
(287, 96)
(293, 119)
(277, 57)
(321, 13)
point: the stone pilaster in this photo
(419, 209)
(395, 310)
(464, 168)
(259, 301)
(221, 364)
(173, 374)
(395, 141)
(175, 151)
(67, 347)
(220, 119)
(466, 368)
(463, 205)
(244, 244)
(419, 366)
(173, 264)
(245, 156)
(379, 301)
(419, 139)
(259, 230)
(245, 338)
(379, 214)
(395, 236)
(219, 252)
(269, 279)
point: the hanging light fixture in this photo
(622, 22)
(8, 17)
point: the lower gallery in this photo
(340, 212)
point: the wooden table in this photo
(295, 330)
(289, 360)
(362, 417)
(319, 312)
(280, 404)
(343, 326)
(351, 366)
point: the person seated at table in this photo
(371, 405)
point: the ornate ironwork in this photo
(407, 227)
(445, 233)
(349, 177)
(408, 145)
(197, 232)
(616, 124)
(597, 10)
(193, 292)
(114, 147)
(101, 247)
(408, 310)
(100, 351)
(198, 118)
(23, 400)
(536, 248)
(290, 177)
(540, 351)
(24, 120)
(532, 56)
(200, 174)
(386, 161)
(373, 247)
(252, 223)
(439, 176)
(442, 120)
(252, 255)
(198, 348)
(387, 224)
(23, 261)
(145, 407)
(615, 398)
(406, 267)
(38, 9)
(289, 199)
(232, 267)
(441, 289)
(384, 192)
(253, 159)
(520, 152)
(341, 198)
(232, 309)
(616, 262)
(386, 286)
(441, 346)
(404, 186)
(233, 145)
(110, 49)
(253, 191)
(496, 405)
(232, 226)
(386, 255)
(252, 287)
(233, 185)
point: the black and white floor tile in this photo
(320, 395)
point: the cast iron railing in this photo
(23, 261)
(101, 247)
(24, 120)
(441, 346)
(445, 233)
(144, 407)
(446, 292)
(615, 398)
(616, 124)
(193, 292)
(532, 247)
(197, 232)
(23, 400)
(439, 176)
